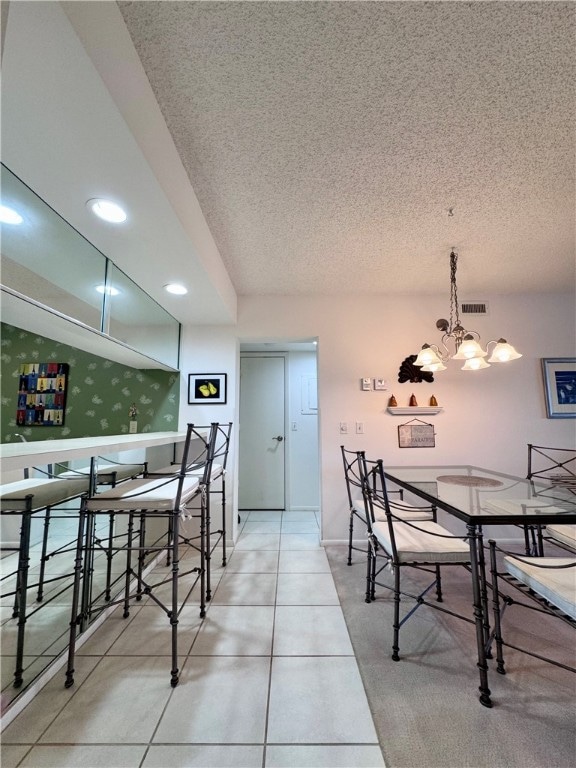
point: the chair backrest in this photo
(557, 465)
(222, 443)
(352, 475)
(206, 456)
(199, 441)
(373, 485)
(376, 500)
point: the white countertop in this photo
(20, 455)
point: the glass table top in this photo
(479, 495)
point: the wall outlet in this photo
(343, 428)
(359, 427)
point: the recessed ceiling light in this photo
(109, 290)
(107, 210)
(176, 288)
(9, 215)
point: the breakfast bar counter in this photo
(20, 455)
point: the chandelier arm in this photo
(443, 355)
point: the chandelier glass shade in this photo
(466, 343)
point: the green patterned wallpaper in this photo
(100, 392)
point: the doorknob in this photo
(279, 438)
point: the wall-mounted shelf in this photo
(427, 410)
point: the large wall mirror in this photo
(47, 262)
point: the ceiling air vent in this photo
(474, 308)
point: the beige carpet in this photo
(426, 706)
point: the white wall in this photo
(489, 416)
(214, 349)
(304, 485)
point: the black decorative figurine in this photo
(413, 373)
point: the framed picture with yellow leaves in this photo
(207, 388)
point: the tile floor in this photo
(268, 679)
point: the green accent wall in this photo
(100, 392)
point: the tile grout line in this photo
(266, 721)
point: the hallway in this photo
(269, 678)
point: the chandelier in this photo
(466, 343)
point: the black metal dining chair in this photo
(356, 506)
(545, 585)
(423, 545)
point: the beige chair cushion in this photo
(107, 472)
(404, 512)
(45, 492)
(408, 512)
(358, 506)
(196, 471)
(558, 586)
(565, 534)
(217, 470)
(150, 494)
(420, 545)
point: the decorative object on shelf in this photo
(432, 358)
(560, 387)
(413, 400)
(207, 388)
(433, 401)
(42, 394)
(392, 402)
(380, 384)
(366, 384)
(420, 435)
(409, 371)
(133, 413)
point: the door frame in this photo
(284, 347)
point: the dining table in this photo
(482, 498)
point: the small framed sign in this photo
(416, 435)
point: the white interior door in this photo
(261, 458)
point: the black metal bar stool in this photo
(195, 468)
(171, 498)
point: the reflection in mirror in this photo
(137, 320)
(46, 259)
(53, 541)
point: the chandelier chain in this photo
(454, 310)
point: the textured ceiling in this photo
(326, 141)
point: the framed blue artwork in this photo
(560, 387)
